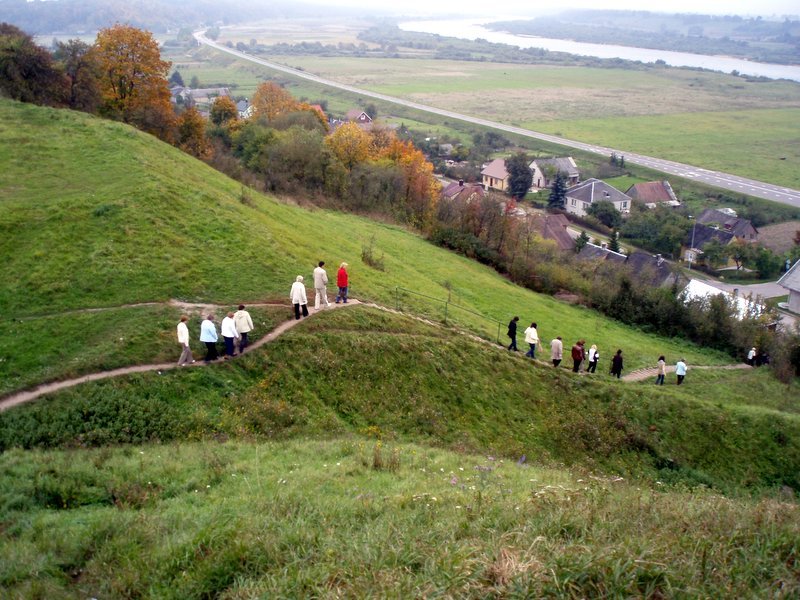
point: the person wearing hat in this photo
(298, 297)
(342, 283)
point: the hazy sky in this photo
(521, 7)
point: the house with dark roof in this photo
(495, 176)
(601, 253)
(791, 281)
(698, 237)
(653, 193)
(646, 268)
(544, 171)
(580, 197)
(742, 229)
(554, 228)
(463, 192)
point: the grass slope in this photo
(97, 214)
(352, 518)
(363, 370)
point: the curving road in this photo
(717, 179)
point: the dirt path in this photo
(650, 372)
(46, 388)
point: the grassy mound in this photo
(356, 518)
(362, 370)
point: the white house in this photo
(581, 196)
(544, 171)
(745, 305)
(791, 281)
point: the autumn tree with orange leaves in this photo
(421, 187)
(133, 80)
(350, 144)
(192, 134)
(271, 101)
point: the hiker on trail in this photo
(662, 370)
(751, 357)
(594, 358)
(342, 283)
(556, 351)
(320, 281)
(229, 335)
(512, 333)
(298, 297)
(680, 370)
(578, 354)
(183, 340)
(244, 325)
(616, 364)
(531, 338)
(208, 335)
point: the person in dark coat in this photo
(512, 333)
(578, 354)
(616, 364)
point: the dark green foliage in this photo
(613, 241)
(558, 193)
(605, 212)
(82, 72)
(519, 175)
(27, 71)
(659, 230)
(582, 240)
(176, 78)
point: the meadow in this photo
(360, 518)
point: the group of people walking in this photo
(234, 330)
(236, 325)
(580, 356)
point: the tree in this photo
(558, 193)
(605, 212)
(194, 82)
(80, 66)
(613, 242)
(223, 110)
(192, 134)
(519, 175)
(582, 240)
(271, 101)
(350, 144)
(715, 254)
(27, 72)
(176, 79)
(133, 79)
(742, 253)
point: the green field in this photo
(356, 518)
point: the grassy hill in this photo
(235, 493)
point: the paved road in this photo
(733, 183)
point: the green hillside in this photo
(363, 453)
(96, 214)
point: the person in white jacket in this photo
(320, 283)
(244, 325)
(229, 335)
(183, 340)
(298, 297)
(532, 338)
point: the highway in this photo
(725, 181)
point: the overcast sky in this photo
(522, 7)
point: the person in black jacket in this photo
(616, 364)
(512, 333)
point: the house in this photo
(697, 239)
(592, 251)
(202, 96)
(495, 176)
(745, 306)
(463, 192)
(245, 109)
(356, 115)
(728, 221)
(554, 228)
(544, 171)
(653, 193)
(581, 196)
(651, 269)
(791, 281)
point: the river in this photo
(472, 29)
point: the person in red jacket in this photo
(341, 283)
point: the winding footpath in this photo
(22, 397)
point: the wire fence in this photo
(447, 312)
